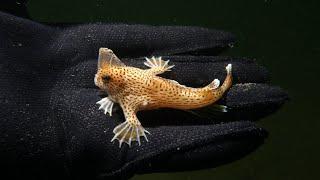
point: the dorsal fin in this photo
(108, 58)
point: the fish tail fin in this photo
(228, 81)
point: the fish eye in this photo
(106, 78)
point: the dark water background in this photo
(282, 35)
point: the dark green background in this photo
(281, 35)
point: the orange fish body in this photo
(141, 89)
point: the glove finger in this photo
(193, 147)
(199, 71)
(142, 40)
(79, 42)
(244, 102)
(254, 101)
(249, 101)
(191, 71)
(86, 132)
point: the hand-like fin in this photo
(128, 132)
(106, 104)
(214, 84)
(157, 65)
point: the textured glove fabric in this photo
(50, 124)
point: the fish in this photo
(136, 89)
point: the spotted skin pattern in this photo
(141, 89)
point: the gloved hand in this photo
(50, 123)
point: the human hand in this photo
(52, 126)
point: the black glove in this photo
(50, 123)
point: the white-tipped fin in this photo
(158, 63)
(214, 84)
(229, 68)
(127, 132)
(106, 104)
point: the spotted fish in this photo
(138, 89)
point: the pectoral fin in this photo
(128, 132)
(131, 130)
(106, 104)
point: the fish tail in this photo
(228, 81)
